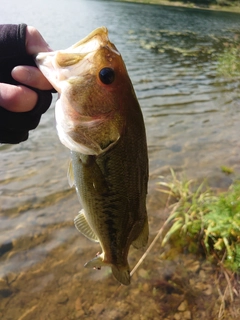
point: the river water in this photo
(192, 120)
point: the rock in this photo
(183, 306)
(5, 247)
(11, 277)
(202, 274)
(143, 274)
(79, 314)
(208, 290)
(66, 279)
(178, 316)
(187, 315)
(145, 287)
(3, 282)
(193, 267)
(5, 293)
(98, 308)
(62, 298)
(78, 304)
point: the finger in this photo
(17, 98)
(35, 42)
(31, 76)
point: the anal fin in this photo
(142, 239)
(96, 262)
(82, 226)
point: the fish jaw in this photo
(85, 142)
(60, 65)
(121, 273)
(89, 115)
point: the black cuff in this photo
(12, 41)
(14, 126)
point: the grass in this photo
(207, 224)
(229, 61)
(204, 222)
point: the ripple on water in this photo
(192, 122)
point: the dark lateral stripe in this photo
(110, 208)
(112, 231)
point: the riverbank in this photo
(235, 8)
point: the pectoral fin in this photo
(82, 226)
(99, 181)
(142, 239)
(70, 175)
(95, 174)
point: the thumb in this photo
(35, 42)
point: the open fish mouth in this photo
(49, 61)
(79, 73)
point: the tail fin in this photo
(122, 274)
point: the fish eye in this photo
(107, 75)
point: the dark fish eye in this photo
(107, 75)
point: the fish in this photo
(99, 119)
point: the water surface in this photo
(192, 121)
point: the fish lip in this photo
(97, 39)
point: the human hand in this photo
(20, 98)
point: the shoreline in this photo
(233, 9)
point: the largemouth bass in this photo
(99, 119)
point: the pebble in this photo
(11, 277)
(182, 316)
(64, 280)
(79, 314)
(193, 267)
(78, 304)
(98, 308)
(3, 282)
(204, 287)
(187, 315)
(145, 287)
(178, 316)
(5, 247)
(183, 306)
(62, 298)
(5, 293)
(202, 274)
(208, 291)
(143, 274)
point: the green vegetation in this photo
(229, 61)
(227, 3)
(204, 222)
(227, 170)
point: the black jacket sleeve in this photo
(14, 126)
